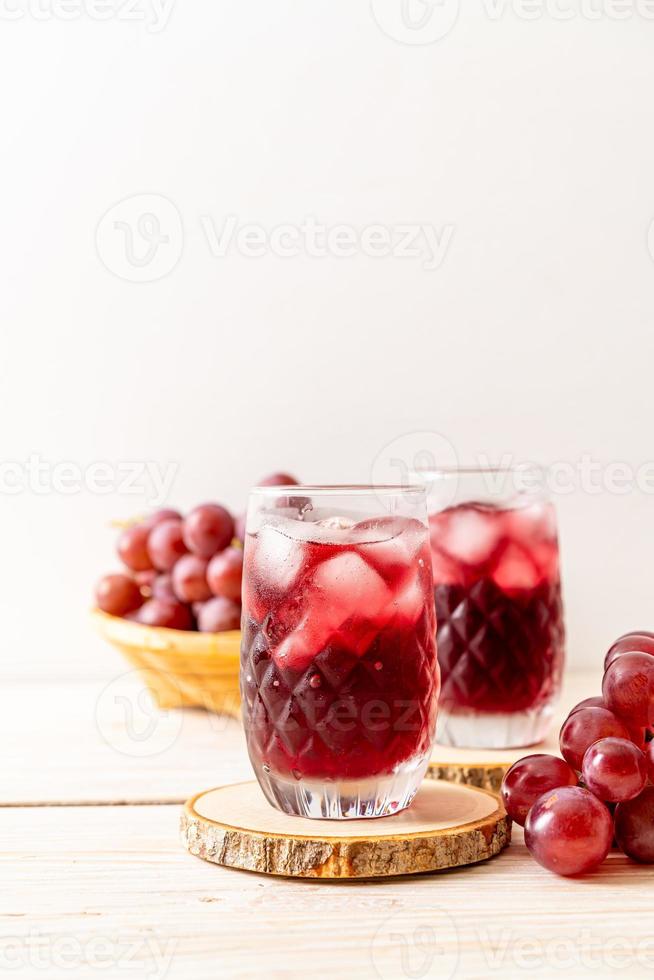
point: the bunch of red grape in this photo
(182, 572)
(573, 808)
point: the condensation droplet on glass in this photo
(378, 665)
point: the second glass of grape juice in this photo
(339, 675)
(500, 638)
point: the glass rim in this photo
(455, 471)
(353, 489)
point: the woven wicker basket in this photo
(181, 668)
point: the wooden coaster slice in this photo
(484, 768)
(447, 826)
(470, 768)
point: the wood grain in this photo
(447, 826)
(69, 743)
(119, 874)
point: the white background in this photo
(531, 139)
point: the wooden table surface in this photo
(95, 881)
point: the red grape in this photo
(634, 827)
(162, 588)
(594, 702)
(638, 735)
(585, 726)
(529, 778)
(278, 480)
(133, 548)
(628, 688)
(118, 594)
(568, 830)
(239, 527)
(166, 544)
(614, 769)
(207, 529)
(165, 514)
(190, 579)
(649, 756)
(225, 573)
(145, 580)
(161, 612)
(217, 615)
(639, 642)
